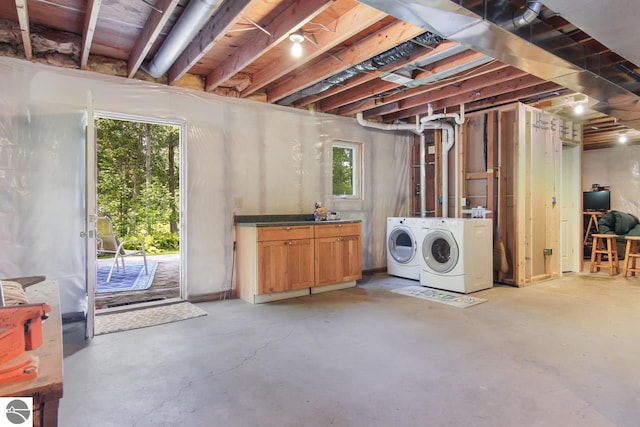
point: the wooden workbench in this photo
(46, 388)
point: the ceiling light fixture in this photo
(296, 49)
(578, 109)
(622, 139)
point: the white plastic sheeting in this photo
(266, 159)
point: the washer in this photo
(402, 247)
(456, 254)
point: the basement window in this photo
(346, 169)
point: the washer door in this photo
(440, 251)
(402, 246)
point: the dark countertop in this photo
(285, 220)
(295, 223)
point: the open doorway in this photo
(139, 208)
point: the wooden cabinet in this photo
(338, 250)
(284, 262)
(284, 265)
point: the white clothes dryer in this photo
(456, 254)
(403, 246)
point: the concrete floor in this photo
(559, 353)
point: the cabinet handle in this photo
(339, 225)
(287, 243)
(287, 228)
(339, 239)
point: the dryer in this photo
(403, 246)
(456, 254)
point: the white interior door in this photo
(91, 217)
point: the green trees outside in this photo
(342, 170)
(138, 180)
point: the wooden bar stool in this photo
(631, 253)
(604, 244)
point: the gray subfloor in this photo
(559, 353)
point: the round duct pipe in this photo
(184, 31)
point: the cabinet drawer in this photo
(333, 230)
(266, 234)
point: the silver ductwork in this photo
(536, 48)
(375, 63)
(527, 14)
(196, 14)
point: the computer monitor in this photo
(596, 200)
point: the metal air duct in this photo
(385, 58)
(195, 15)
(536, 48)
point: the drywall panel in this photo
(240, 157)
(619, 169)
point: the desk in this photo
(593, 222)
(46, 388)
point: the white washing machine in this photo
(403, 246)
(456, 254)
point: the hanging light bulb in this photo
(296, 48)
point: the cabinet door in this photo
(351, 258)
(272, 266)
(300, 264)
(328, 266)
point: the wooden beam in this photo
(381, 86)
(381, 41)
(491, 162)
(375, 107)
(343, 28)
(152, 28)
(88, 29)
(468, 96)
(356, 81)
(23, 19)
(447, 89)
(297, 14)
(229, 13)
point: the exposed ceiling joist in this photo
(356, 88)
(23, 19)
(439, 102)
(343, 28)
(389, 37)
(150, 32)
(377, 106)
(295, 16)
(88, 30)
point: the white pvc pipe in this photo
(456, 179)
(431, 121)
(447, 143)
(388, 126)
(423, 176)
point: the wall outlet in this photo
(237, 202)
(548, 251)
(464, 201)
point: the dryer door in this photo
(402, 245)
(440, 251)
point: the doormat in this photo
(131, 278)
(145, 317)
(436, 295)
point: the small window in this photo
(346, 170)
